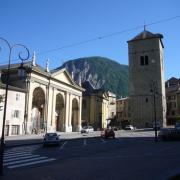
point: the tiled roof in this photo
(146, 35)
(3, 86)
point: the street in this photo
(131, 155)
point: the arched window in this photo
(146, 60)
(142, 60)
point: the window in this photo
(173, 113)
(112, 114)
(84, 103)
(146, 100)
(15, 130)
(16, 114)
(17, 96)
(144, 60)
(6, 130)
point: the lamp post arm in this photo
(6, 93)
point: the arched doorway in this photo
(38, 110)
(74, 120)
(60, 113)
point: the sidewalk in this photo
(21, 140)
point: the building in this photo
(123, 111)
(146, 79)
(53, 101)
(111, 105)
(173, 100)
(15, 111)
(94, 106)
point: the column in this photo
(49, 108)
(53, 110)
(29, 108)
(79, 114)
(70, 113)
(66, 111)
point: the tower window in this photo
(142, 60)
(146, 60)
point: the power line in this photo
(102, 37)
(107, 35)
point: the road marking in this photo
(24, 160)
(31, 163)
(16, 152)
(85, 143)
(103, 140)
(120, 139)
(20, 158)
(16, 155)
(63, 145)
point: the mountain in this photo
(101, 73)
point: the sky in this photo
(44, 25)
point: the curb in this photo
(36, 143)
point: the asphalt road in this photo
(131, 155)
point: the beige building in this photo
(111, 105)
(173, 100)
(146, 78)
(15, 111)
(53, 100)
(123, 111)
(94, 106)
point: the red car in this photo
(107, 132)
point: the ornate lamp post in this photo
(154, 93)
(21, 72)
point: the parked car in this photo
(51, 139)
(107, 132)
(87, 129)
(169, 134)
(177, 125)
(129, 127)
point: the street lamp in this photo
(154, 91)
(21, 71)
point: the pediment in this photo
(64, 76)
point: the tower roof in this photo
(146, 35)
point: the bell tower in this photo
(146, 80)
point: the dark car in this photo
(51, 139)
(107, 132)
(169, 134)
(177, 125)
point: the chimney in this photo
(47, 65)
(34, 59)
(72, 75)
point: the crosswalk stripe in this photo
(19, 158)
(85, 143)
(24, 161)
(17, 155)
(23, 148)
(18, 152)
(103, 140)
(31, 163)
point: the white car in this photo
(129, 127)
(87, 129)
